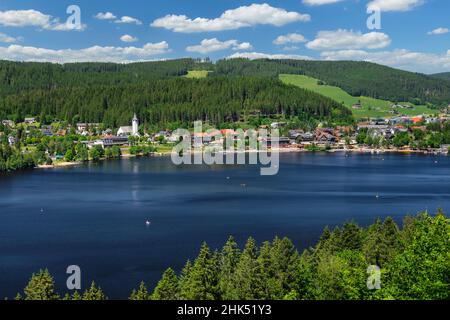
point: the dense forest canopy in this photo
(218, 100)
(16, 77)
(355, 77)
(444, 75)
(110, 93)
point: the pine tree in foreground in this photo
(41, 287)
(94, 293)
(168, 287)
(141, 294)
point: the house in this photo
(421, 128)
(445, 148)
(47, 131)
(277, 125)
(401, 129)
(107, 132)
(400, 120)
(114, 141)
(200, 138)
(61, 133)
(305, 137)
(345, 129)
(125, 131)
(84, 127)
(417, 119)
(12, 140)
(30, 120)
(8, 123)
(357, 106)
(81, 127)
(432, 120)
(295, 133)
(325, 135)
(283, 142)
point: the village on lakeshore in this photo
(60, 143)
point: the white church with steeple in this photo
(132, 130)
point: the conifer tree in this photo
(228, 263)
(351, 237)
(247, 278)
(168, 287)
(184, 279)
(94, 293)
(201, 282)
(270, 286)
(141, 293)
(284, 261)
(41, 287)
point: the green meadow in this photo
(371, 107)
(197, 74)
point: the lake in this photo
(94, 215)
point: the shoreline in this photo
(66, 164)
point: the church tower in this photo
(135, 125)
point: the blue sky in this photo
(414, 34)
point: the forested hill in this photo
(444, 75)
(16, 77)
(356, 78)
(177, 100)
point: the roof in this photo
(126, 129)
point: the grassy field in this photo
(197, 74)
(371, 107)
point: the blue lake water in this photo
(94, 215)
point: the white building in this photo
(8, 123)
(12, 140)
(132, 130)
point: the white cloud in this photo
(95, 53)
(399, 58)
(289, 38)
(258, 55)
(245, 16)
(33, 18)
(213, 45)
(128, 38)
(345, 39)
(8, 39)
(24, 18)
(439, 31)
(394, 5)
(110, 16)
(129, 20)
(105, 16)
(320, 2)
